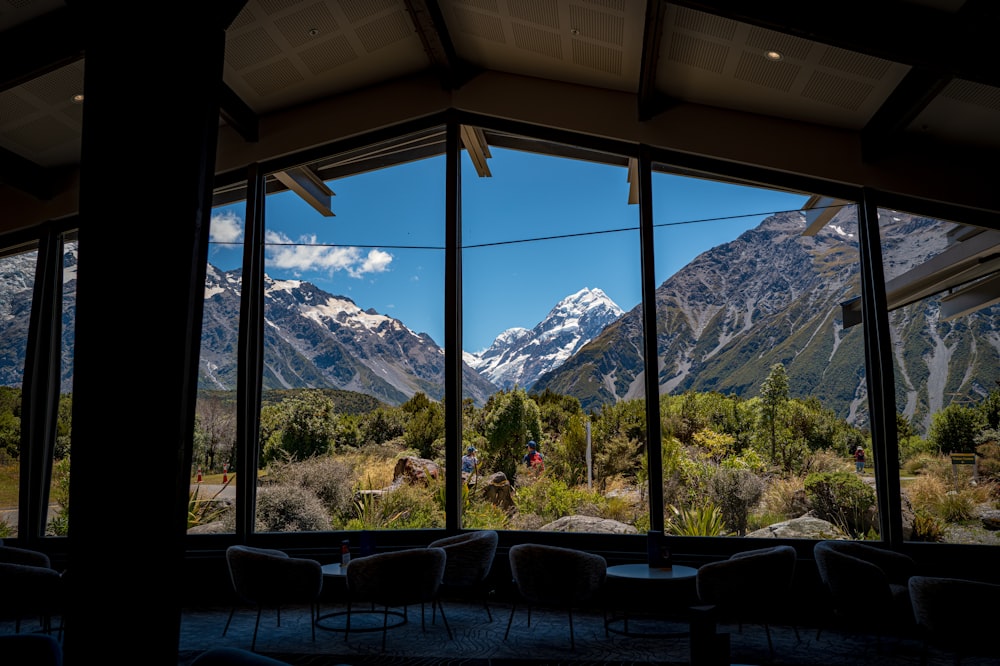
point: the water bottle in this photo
(345, 553)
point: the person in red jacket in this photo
(859, 460)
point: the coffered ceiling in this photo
(892, 71)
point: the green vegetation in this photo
(335, 461)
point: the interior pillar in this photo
(150, 125)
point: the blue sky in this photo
(539, 229)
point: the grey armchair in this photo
(867, 584)
(956, 615)
(754, 586)
(557, 577)
(264, 577)
(396, 579)
(31, 587)
(469, 560)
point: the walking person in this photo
(534, 458)
(470, 462)
(859, 460)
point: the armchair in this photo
(557, 577)
(751, 586)
(265, 577)
(955, 615)
(396, 579)
(469, 559)
(31, 587)
(868, 584)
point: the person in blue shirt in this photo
(470, 462)
(534, 458)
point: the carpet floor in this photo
(479, 641)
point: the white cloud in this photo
(226, 227)
(304, 255)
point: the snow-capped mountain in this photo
(520, 356)
(313, 339)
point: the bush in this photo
(705, 520)
(785, 498)
(925, 492)
(288, 508)
(844, 500)
(736, 492)
(954, 507)
(927, 527)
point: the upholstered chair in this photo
(30, 650)
(867, 584)
(269, 578)
(956, 615)
(469, 560)
(30, 587)
(396, 580)
(753, 586)
(557, 577)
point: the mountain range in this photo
(772, 295)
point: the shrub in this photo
(289, 508)
(413, 507)
(844, 500)
(826, 460)
(785, 498)
(925, 492)
(549, 498)
(954, 506)
(927, 527)
(735, 492)
(705, 520)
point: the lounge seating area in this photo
(557, 604)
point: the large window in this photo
(18, 279)
(941, 287)
(762, 389)
(352, 418)
(550, 265)
(213, 473)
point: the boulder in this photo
(589, 524)
(496, 489)
(413, 470)
(803, 527)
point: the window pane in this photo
(213, 483)
(57, 520)
(760, 383)
(352, 423)
(17, 275)
(550, 263)
(941, 286)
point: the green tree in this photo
(512, 419)
(774, 395)
(424, 427)
(302, 427)
(382, 424)
(954, 429)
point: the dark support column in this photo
(150, 125)
(453, 328)
(654, 451)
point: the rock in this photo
(589, 524)
(990, 519)
(413, 470)
(497, 491)
(803, 527)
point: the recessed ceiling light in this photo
(773, 55)
(313, 32)
(77, 98)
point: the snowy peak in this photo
(519, 356)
